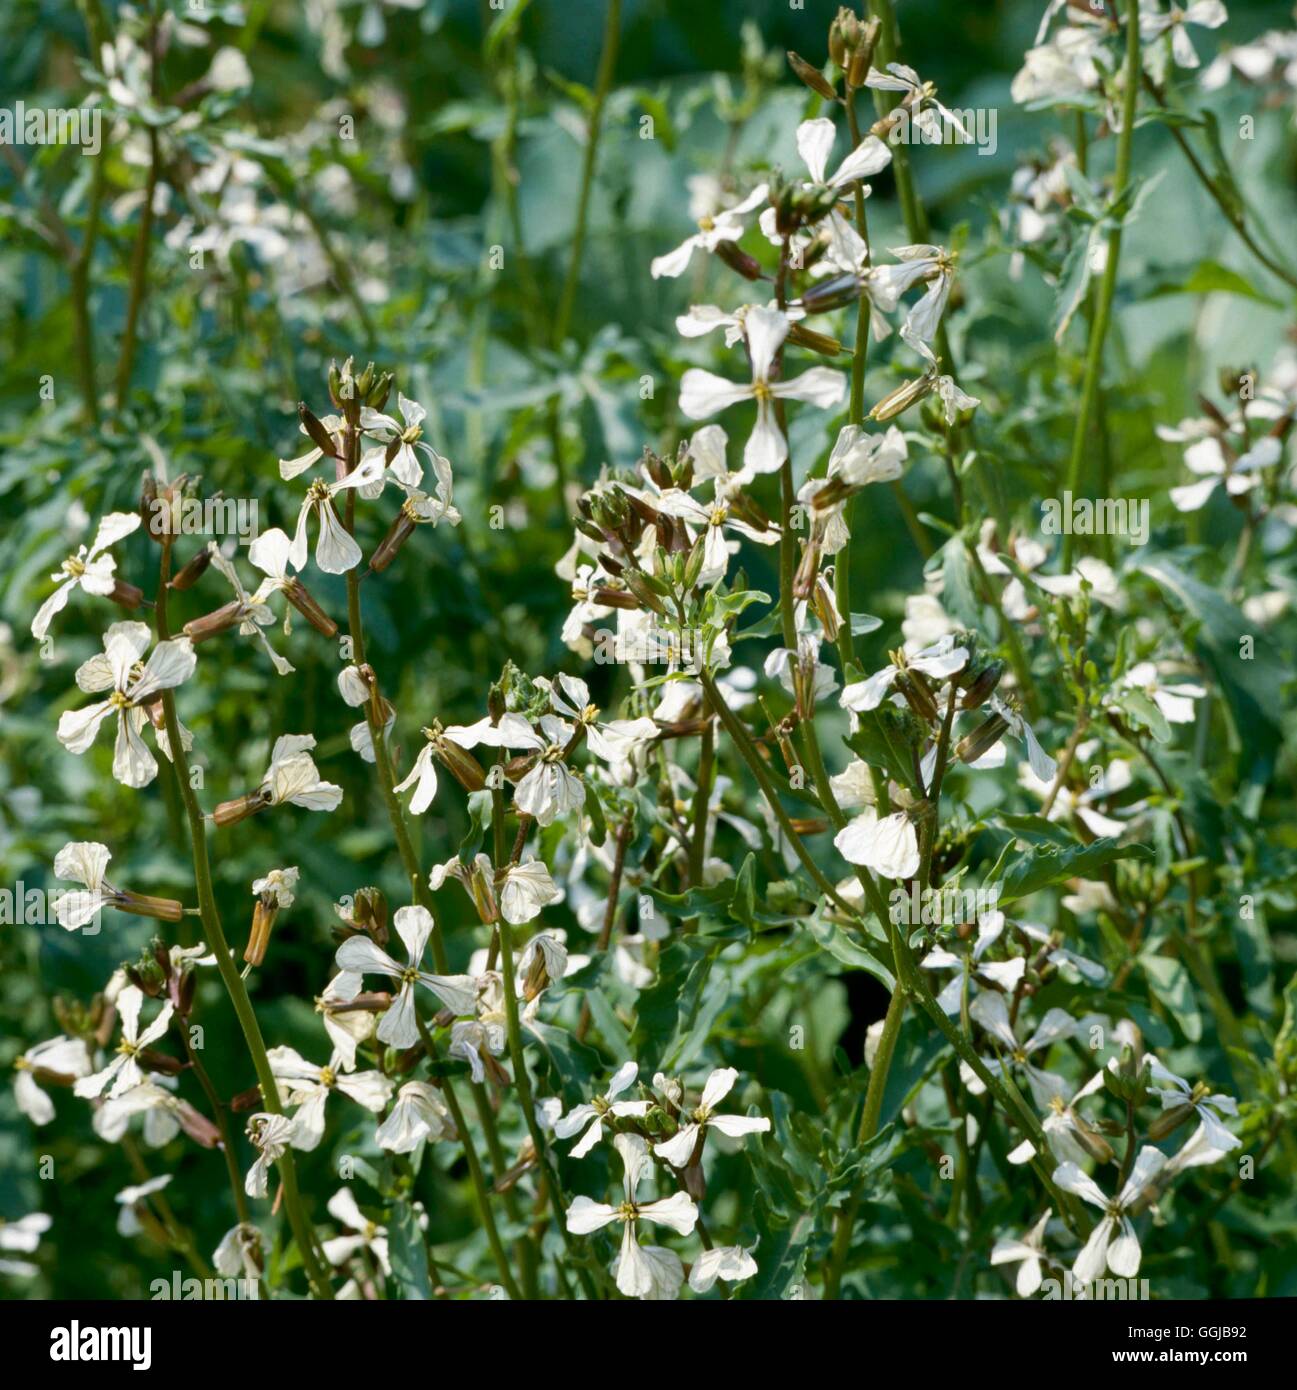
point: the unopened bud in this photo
(296, 593)
(812, 76)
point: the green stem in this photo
(1108, 288)
(303, 1232)
(603, 83)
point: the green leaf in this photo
(1171, 986)
(1252, 686)
(1205, 277)
(1048, 864)
(409, 1255)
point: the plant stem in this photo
(303, 1232)
(603, 83)
(1103, 305)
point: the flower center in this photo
(74, 567)
(706, 224)
(409, 975)
(327, 1077)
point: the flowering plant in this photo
(667, 925)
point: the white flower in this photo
(347, 1028)
(254, 615)
(271, 1136)
(712, 230)
(90, 570)
(1041, 764)
(1026, 1254)
(525, 889)
(83, 861)
(1059, 956)
(279, 884)
(239, 1253)
(1207, 458)
(419, 1114)
(1063, 1121)
(130, 1198)
(23, 1235)
(899, 78)
(886, 845)
(614, 740)
(815, 141)
(992, 1013)
(59, 1061)
(368, 1235)
(943, 658)
(679, 1149)
(307, 1087)
(124, 1071)
(594, 1114)
(475, 1039)
(703, 393)
(1175, 701)
(655, 1270)
(414, 925)
(408, 437)
(118, 670)
(1207, 14)
(336, 551)
(293, 777)
(1101, 1251)
(164, 1113)
(1176, 1091)
(714, 519)
(637, 1276)
(729, 1262)
(1198, 1151)
(550, 789)
(1006, 974)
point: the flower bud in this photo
(315, 431)
(902, 398)
(189, 574)
(400, 531)
(376, 399)
(812, 76)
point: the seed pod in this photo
(983, 738)
(1169, 1121)
(983, 685)
(812, 76)
(296, 593)
(817, 342)
(189, 574)
(197, 1126)
(398, 533)
(160, 1062)
(138, 905)
(214, 623)
(263, 921)
(126, 595)
(241, 807)
(902, 398)
(460, 763)
(918, 695)
(739, 261)
(315, 431)
(835, 292)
